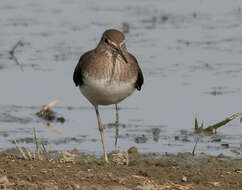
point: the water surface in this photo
(190, 53)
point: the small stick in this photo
(12, 51)
(21, 150)
(212, 128)
(35, 140)
(50, 105)
(28, 152)
(44, 149)
(219, 124)
(38, 154)
(195, 146)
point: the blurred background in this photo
(190, 53)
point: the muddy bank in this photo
(144, 171)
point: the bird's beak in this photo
(122, 55)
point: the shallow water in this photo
(190, 53)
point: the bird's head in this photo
(115, 40)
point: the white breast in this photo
(105, 92)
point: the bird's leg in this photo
(100, 125)
(116, 124)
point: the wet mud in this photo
(143, 172)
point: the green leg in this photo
(116, 124)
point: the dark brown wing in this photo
(77, 75)
(140, 78)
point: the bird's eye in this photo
(106, 40)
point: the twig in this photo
(12, 51)
(224, 122)
(44, 149)
(195, 146)
(21, 150)
(213, 128)
(50, 105)
(38, 154)
(28, 152)
(36, 143)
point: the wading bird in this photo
(108, 74)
